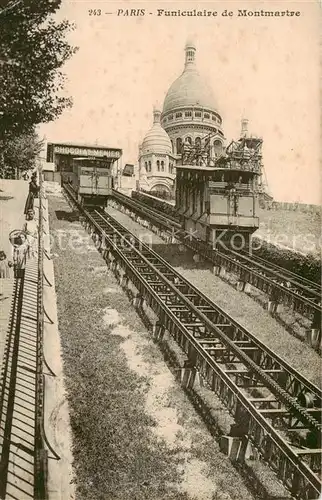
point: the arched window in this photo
(149, 167)
(198, 142)
(162, 166)
(170, 168)
(160, 188)
(188, 140)
(179, 145)
(217, 148)
(172, 146)
(158, 165)
(146, 166)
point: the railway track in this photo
(268, 398)
(293, 279)
(294, 291)
(23, 457)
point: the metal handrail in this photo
(41, 455)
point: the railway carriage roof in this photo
(82, 145)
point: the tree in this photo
(20, 153)
(33, 49)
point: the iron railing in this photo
(41, 455)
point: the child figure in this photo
(20, 251)
(4, 265)
(31, 230)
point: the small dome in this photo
(156, 140)
(189, 89)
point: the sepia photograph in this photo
(160, 250)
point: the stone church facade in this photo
(190, 116)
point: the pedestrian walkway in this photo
(6, 297)
(19, 392)
(12, 204)
(11, 211)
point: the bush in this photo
(307, 266)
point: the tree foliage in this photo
(20, 153)
(33, 49)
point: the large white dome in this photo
(189, 89)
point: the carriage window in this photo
(201, 201)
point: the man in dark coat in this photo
(33, 193)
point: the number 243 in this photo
(94, 12)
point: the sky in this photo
(263, 68)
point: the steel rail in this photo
(267, 266)
(288, 463)
(258, 273)
(197, 302)
(234, 259)
(296, 474)
(297, 281)
(156, 215)
(288, 275)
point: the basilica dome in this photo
(189, 89)
(156, 140)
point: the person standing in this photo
(31, 230)
(20, 251)
(4, 265)
(33, 193)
